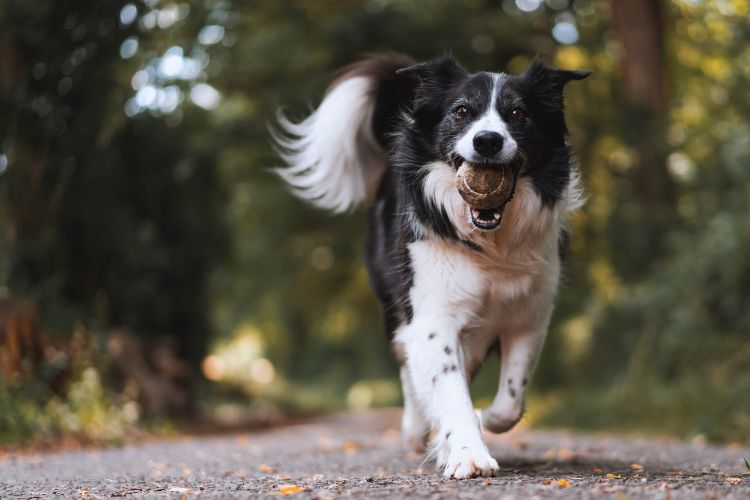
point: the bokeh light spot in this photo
(211, 34)
(262, 371)
(129, 47)
(528, 5)
(565, 32)
(213, 368)
(205, 96)
(128, 14)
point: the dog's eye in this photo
(461, 112)
(518, 114)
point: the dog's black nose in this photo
(488, 143)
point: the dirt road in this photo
(360, 455)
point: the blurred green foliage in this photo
(85, 407)
(135, 193)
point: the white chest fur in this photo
(508, 285)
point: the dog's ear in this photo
(440, 72)
(433, 78)
(546, 83)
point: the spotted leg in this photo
(443, 297)
(519, 353)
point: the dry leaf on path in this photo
(563, 483)
(290, 489)
(635, 466)
(266, 469)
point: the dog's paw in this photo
(467, 462)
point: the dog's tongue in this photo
(485, 187)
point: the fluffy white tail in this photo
(334, 160)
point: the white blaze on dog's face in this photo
(485, 123)
(488, 138)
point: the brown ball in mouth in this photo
(485, 186)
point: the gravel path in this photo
(360, 455)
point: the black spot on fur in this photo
(431, 336)
(434, 379)
(447, 434)
(472, 245)
(449, 368)
(524, 382)
(448, 350)
(512, 392)
(510, 381)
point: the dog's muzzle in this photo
(487, 189)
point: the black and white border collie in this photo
(455, 282)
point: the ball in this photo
(484, 187)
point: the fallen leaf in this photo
(635, 466)
(614, 476)
(547, 481)
(563, 483)
(565, 454)
(390, 432)
(266, 469)
(349, 447)
(598, 469)
(734, 480)
(290, 489)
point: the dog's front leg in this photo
(435, 367)
(444, 299)
(519, 353)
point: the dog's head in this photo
(492, 127)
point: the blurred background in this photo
(154, 275)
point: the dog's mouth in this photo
(487, 219)
(486, 189)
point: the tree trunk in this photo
(639, 28)
(649, 206)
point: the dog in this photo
(472, 182)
